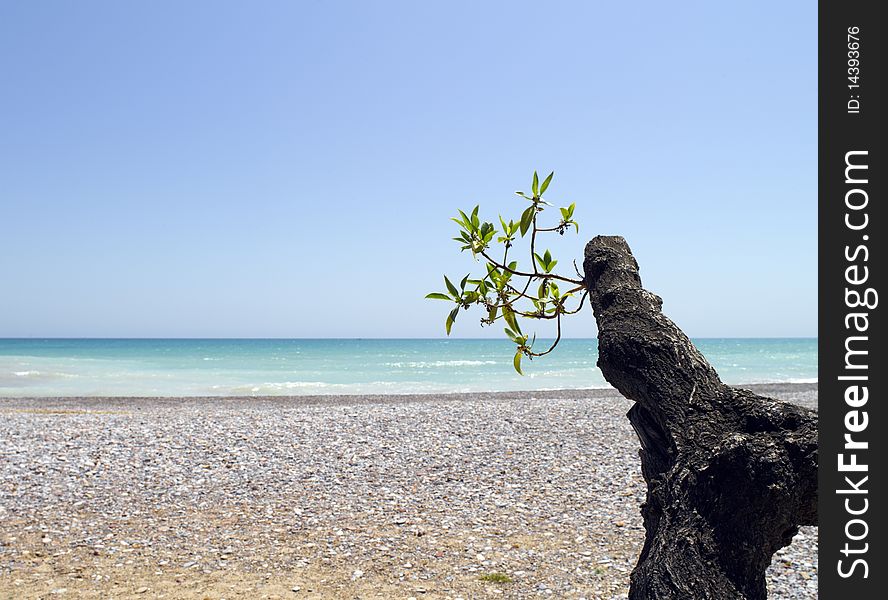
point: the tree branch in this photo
(532, 275)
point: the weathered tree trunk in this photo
(731, 475)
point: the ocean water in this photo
(226, 367)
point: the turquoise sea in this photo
(223, 367)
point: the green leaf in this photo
(509, 316)
(545, 261)
(564, 213)
(511, 335)
(451, 288)
(475, 216)
(516, 362)
(545, 185)
(570, 209)
(527, 219)
(491, 314)
(451, 318)
(536, 185)
(468, 221)
(462, 284)
(437, 296)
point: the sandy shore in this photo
(511, 495)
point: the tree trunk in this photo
(730, 475)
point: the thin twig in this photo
(533, 275)
(555, 343)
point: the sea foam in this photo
(422, 364)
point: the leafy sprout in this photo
(507, 292)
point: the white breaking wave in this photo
(273, 386)
(43, 375)
(440, 363)
(286, 385)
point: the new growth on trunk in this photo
(731, 475)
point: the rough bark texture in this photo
(731, 475)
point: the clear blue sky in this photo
(287, 169)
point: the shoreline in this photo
(801, 393)
(499, 495)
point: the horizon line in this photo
(260, 338)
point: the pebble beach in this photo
(500, 495)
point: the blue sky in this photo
(288, 169)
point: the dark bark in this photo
(731, 475)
